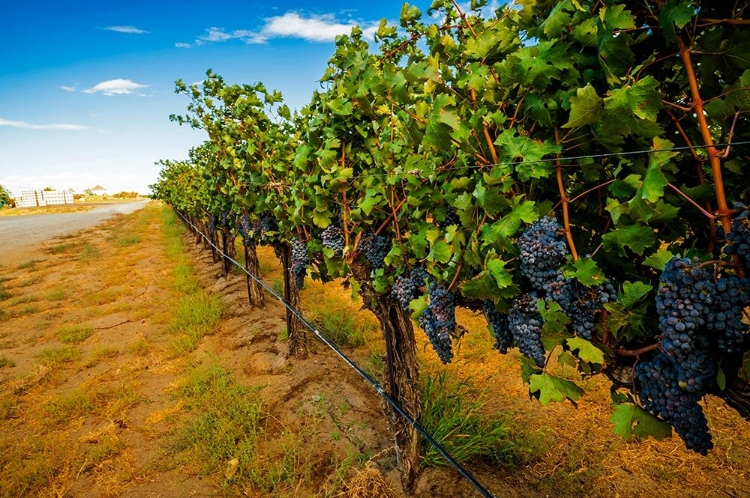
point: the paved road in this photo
(20, 235)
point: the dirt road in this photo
(20, 233)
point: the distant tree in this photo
(6, 197)
(88, 192)
(49, 189)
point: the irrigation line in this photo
(465, 473)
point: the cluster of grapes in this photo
(439, 321)
(740, 235)
(451, 218)
(542, 252)
(300, 260)
(581, 304)
(406, 287)
(223, 221)
(499, 326)
(662, 395)
(376, 248)
(725, 316)
(265, 225)
(525, 324)
(333, 238)
(245, 227)
(698, 319)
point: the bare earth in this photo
(21, 234)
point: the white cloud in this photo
(314, 28)
(29, 126)
(115, 87)
(183, 45)
(132, 30)
(67, 88)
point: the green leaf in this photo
(721, 379)
(633, 292)
(514, 147)
(502, 277)
(528, 368)
(658, 259)
(587, 272)
(675, 13)
(585, 350)
(548, 388)
(631, 421)
(637, 237)
(585, 107)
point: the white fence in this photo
(33, 198)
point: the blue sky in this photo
(87, 88)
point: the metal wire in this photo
(461, 470)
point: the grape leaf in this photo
(587, 272)
(631, 421)
(658, 259)
(502, 277)
(586, 351)
(637, 237)
(585, 107)
(633, 292)
(548, 388)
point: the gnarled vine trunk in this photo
(255, 294)
(401, 374)
(295, 328)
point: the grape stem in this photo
(621, 351)
(691, 201)
(564, 200)
(713, 155)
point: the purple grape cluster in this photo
(724, 318)
(333, 238)
(740, 235)
(245, 228)
(407, 285)
(542, 252)
(525, 324)
(451, 218)
(300, 260)
(439, 321)
(376, 248)
(267, 225)
(499, 326)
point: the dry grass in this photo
(367, 482)
(63, 208)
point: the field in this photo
(130, 367)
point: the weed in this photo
(5, 362)
(74, 333)
(31, 298)
(89, 252)
(29, 264)
(128, 241)
(277, 284)
(28, 310)
(59, 356)
(375, 364)
(451, 414)
(139, 347)
(284, 334)
(34, 280)
(4, 294)
(56, 294)
(196, 314)
(71, 405)
(339, 325)
(100, 354)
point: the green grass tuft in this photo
(339, 325)
(5, 362)
(451, 413)
(73, 334)
(60, 356)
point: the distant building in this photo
(34, 198)
(99, 190)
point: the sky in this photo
(86, 88)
